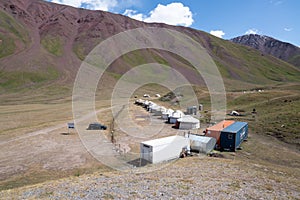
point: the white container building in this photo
(163, 149)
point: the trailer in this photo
(215, 131)
(232, 136)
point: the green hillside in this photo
(249, 65)
(11, 32)
(58, 54)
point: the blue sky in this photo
(223, 18)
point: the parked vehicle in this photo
(96, 126)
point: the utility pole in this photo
(112, 138)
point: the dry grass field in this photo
(35, 149)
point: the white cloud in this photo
(134, 15)
(74, 3)
(217, 33)
(89, 4)
(172, 14)
(252, 31)
(288, 29)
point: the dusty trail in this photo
(50, 129)
(47, 149)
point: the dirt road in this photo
(46, 149)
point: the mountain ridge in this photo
(268, 45)
(49, 41)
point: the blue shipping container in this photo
(232, 136)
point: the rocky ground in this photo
(190, 178)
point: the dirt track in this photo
(47, 149)
(52, 149)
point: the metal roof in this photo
(163, 141)
(221, 125)
(233, 128)
(168, 111)
(154, 106)
(188, 119)
(199, 138)
(177, 114)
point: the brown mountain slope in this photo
(47, 43)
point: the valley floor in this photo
(39, 160)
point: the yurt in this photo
(188, 122)
(175, 115)
(166, 114)
(159, 111)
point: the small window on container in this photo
(230, 136)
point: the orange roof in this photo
(221, 125)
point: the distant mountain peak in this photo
(268, 45)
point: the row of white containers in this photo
(182, 121)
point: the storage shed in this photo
(192, 110)
(215, 131)
(202, 144)
(233, 135)
(188, 122)
(163, 149)
(175, 115)
(200, 107)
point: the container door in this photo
(177, 124)
(147, 153)
(231, 141)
